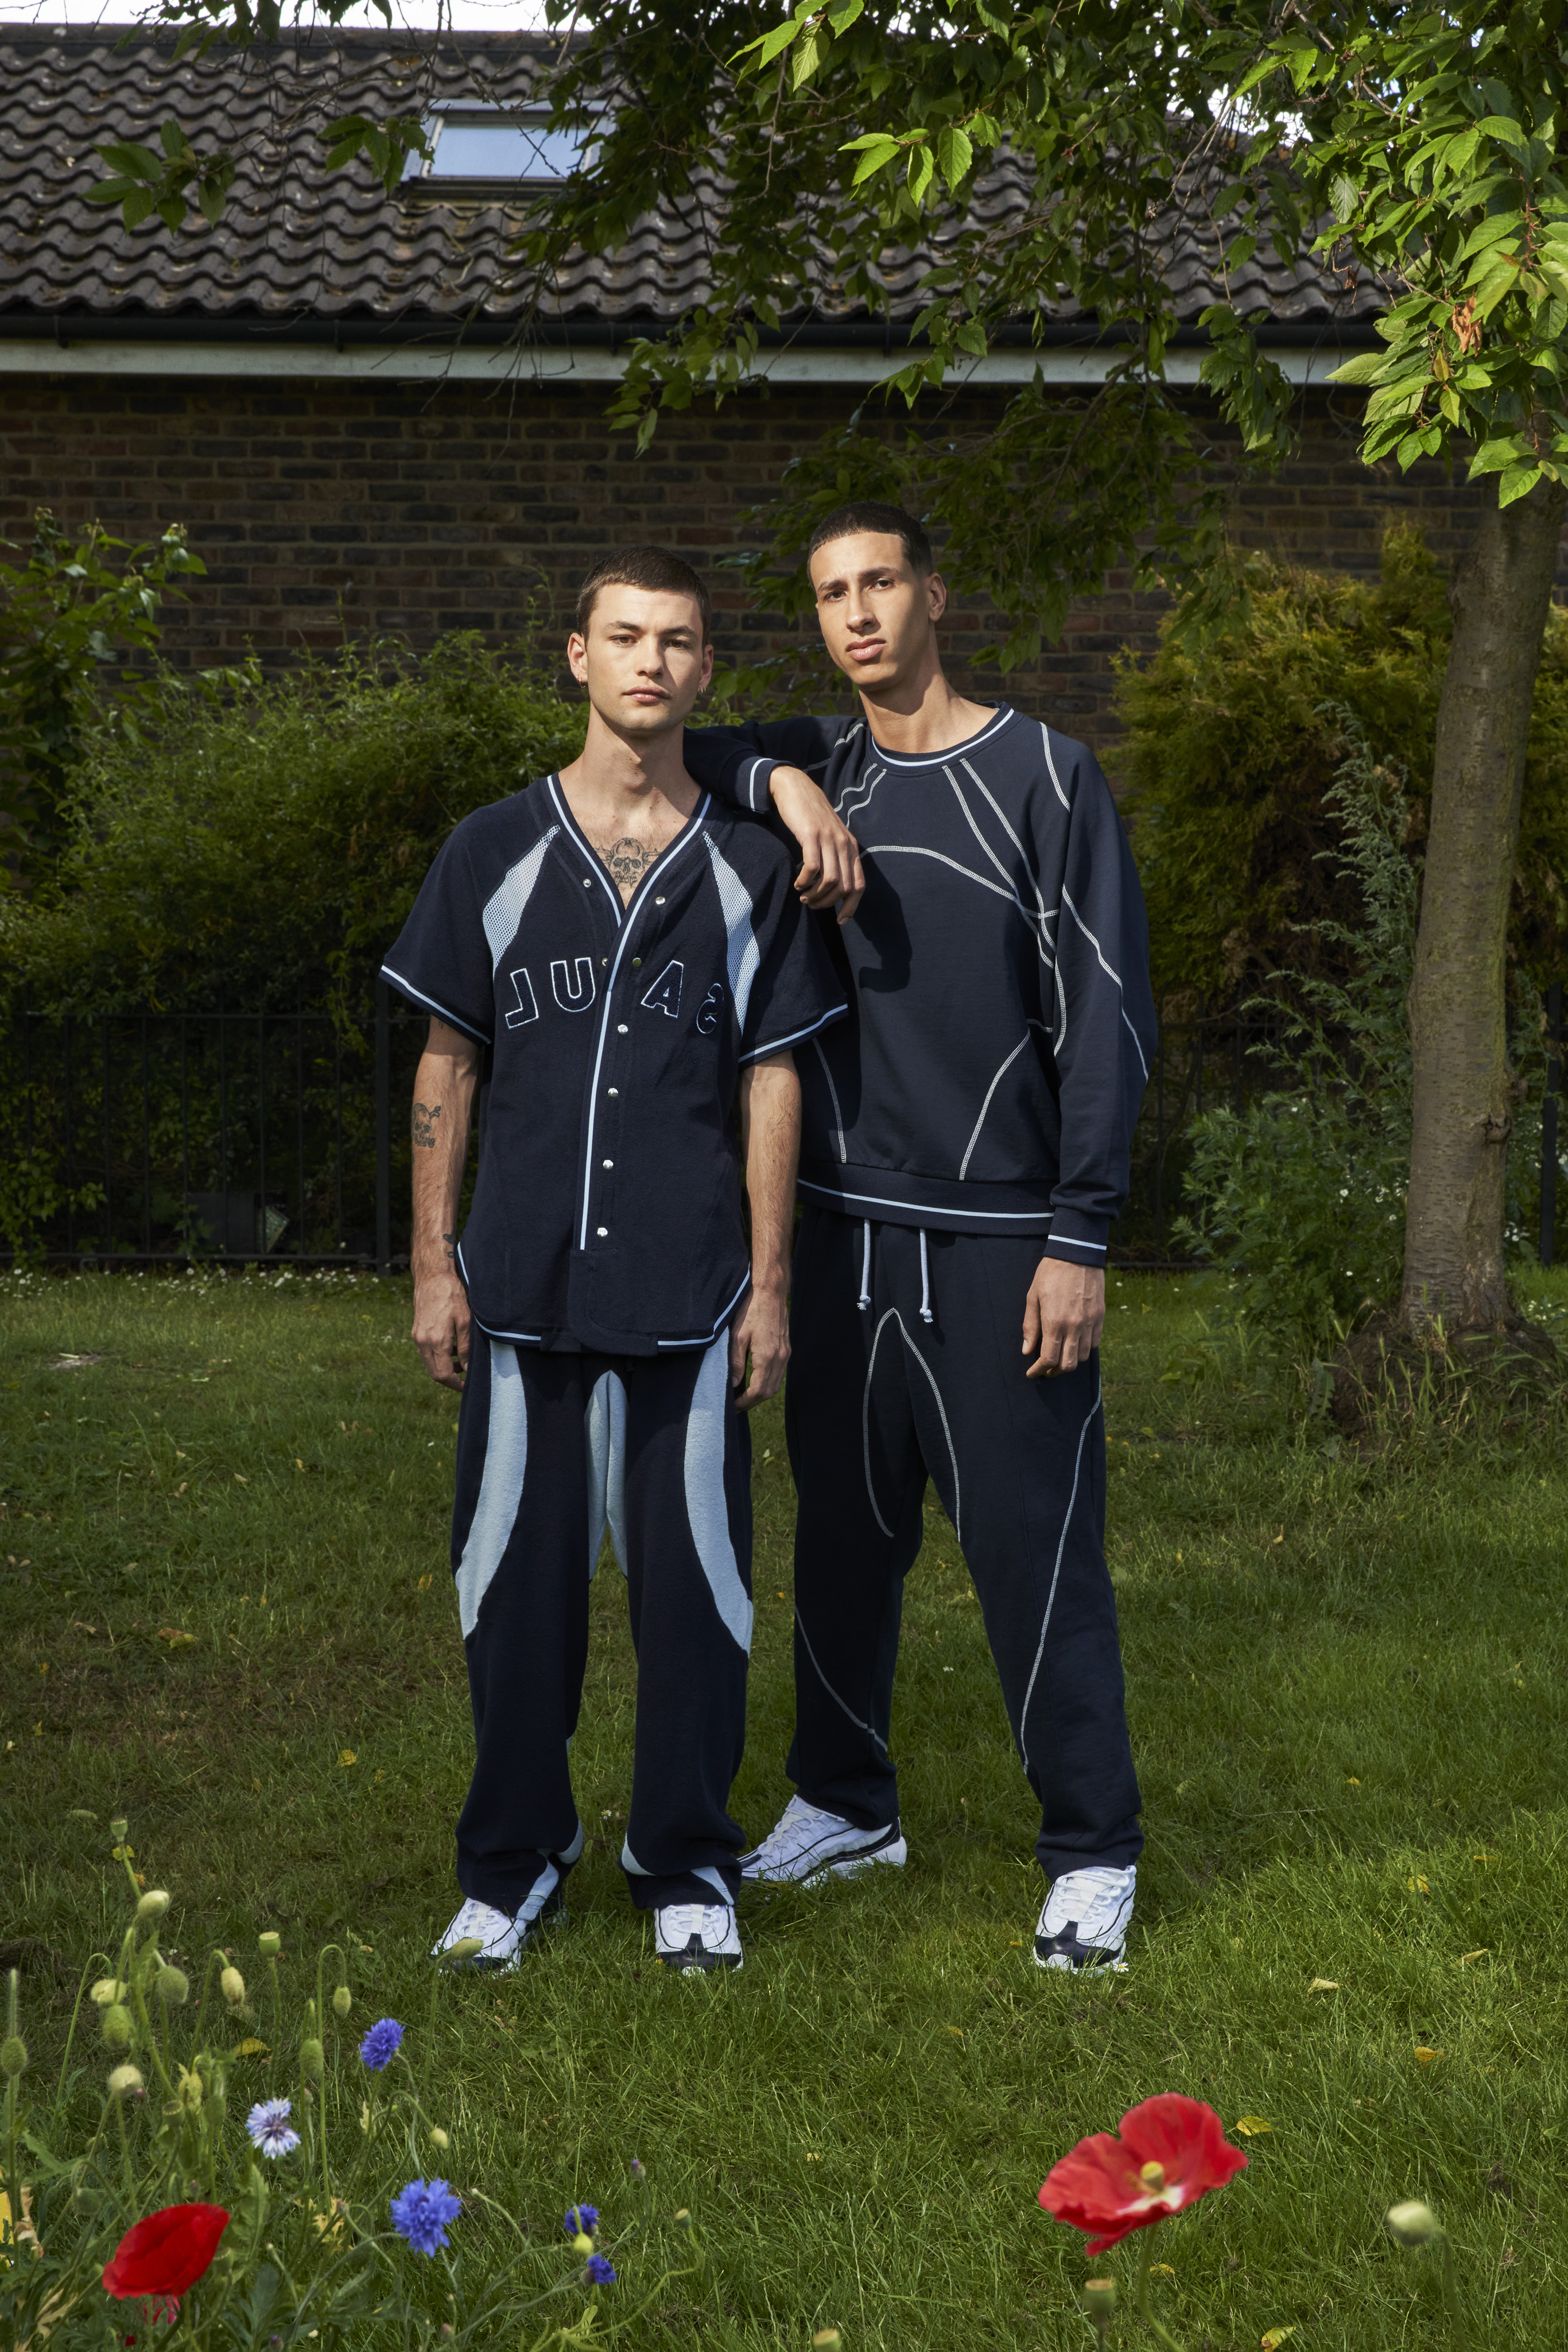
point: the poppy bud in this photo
(270, 1944)
(1414, 2225)
(342, 2001)
(120, 1831)
(1099, 2300)
(310, 2059)
(13, 2055)
(153, 1904)
(173, 1986)
(107, 1990)
(683, 2219)
(190, 2090)
(827, 2340)
(117, 2027)
(463, 1950)
(125, 2082)
(438, 2137)
(582, 2243)
(233, 1985)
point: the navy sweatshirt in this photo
(607, 1208)
(1001, 1023)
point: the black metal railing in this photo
(281, 1134)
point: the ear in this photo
(706, 668)
(576, 657)
(936, 595)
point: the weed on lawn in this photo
(228, 1615)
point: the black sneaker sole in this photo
(700, 1962)
(1065, 1946)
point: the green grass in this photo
(1345, 1678)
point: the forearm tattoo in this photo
(424, 1117)
(450, 1242)
(627, 862)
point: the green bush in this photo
(1301, 1197)
(1234, 743)
(272, 840)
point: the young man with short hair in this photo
(629, 964)
(964, 1151)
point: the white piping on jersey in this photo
(692, 831)
(744, 955)
(838, 1114)
(604, 1434)
(870, 1730)
(1116, 976)
(707, 1508)
(849, 807)
(596, 863)
(703, 1338)
(1056, 1571)
(405, 988)
(501, 1484)
(885, 1200)
(917, 849)
(924, 1280)
(985, 1106)
(933, 758)
(1050, 764)
(893, 1316)
(503, 909)
(1036, 923)
(777, 1044)
(1046, 914)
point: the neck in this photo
(922, 712)
(618, 777)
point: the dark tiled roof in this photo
(300, 242)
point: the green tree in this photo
(1421, 144)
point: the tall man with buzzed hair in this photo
(629, 963)
(965, 1149)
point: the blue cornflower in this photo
(599, 2272)
(582, 2221)
(269, 2128)
(382, 2043)
(421, 2212)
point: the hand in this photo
(441, 1326)
(1063, 1316)
(830, 873)
(761, 1331)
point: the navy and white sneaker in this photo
(697, 1936)
(504, 1939)
(1085, 1919)
(808, 1844)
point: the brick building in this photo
(328, 390)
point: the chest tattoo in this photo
(628, 861)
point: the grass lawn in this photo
(227, 1613)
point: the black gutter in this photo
(65, 327)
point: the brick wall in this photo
(419, 509)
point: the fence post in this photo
(384, 1127)
(1549, 1121)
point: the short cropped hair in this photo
(876, 514)
(653, 568)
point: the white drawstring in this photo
(864, 1299)
(924, 1280)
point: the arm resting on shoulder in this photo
(749, 766)
(770, 1141)
(443, 1090)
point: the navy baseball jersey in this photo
(607, 1208)
(1002, 1023)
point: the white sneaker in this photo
(1085, 1919)
(704, 1936)
(807, 1844)
(502, 1939)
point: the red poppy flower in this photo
(1172, 2152)
(166, 2254)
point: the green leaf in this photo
(1241, 251)
(110, 192)
(842, 14)
(1505, 131)
(809, 51)
(921, 169)
(1365, 367)
(1516, 483)
(1491, 231)
(955, 154)
(763, 51)
(879, 151)
(1492, 457)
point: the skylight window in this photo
(496, 142)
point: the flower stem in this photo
(1141, 2294)
(1451, 2295)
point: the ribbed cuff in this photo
(751, 782)
(1078, 1239)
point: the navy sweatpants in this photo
(878, 1399)
(551, 1449)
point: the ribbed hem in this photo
(1082, 1238)
(938, 1204)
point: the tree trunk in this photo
(1500, 593)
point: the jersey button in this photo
(658, 902)
(609, 1164)
(613, 1092)
(603, 1231)
(636, 963)
(588, 881)
(621, 1030)
(602, 962)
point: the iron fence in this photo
(270, 1133)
